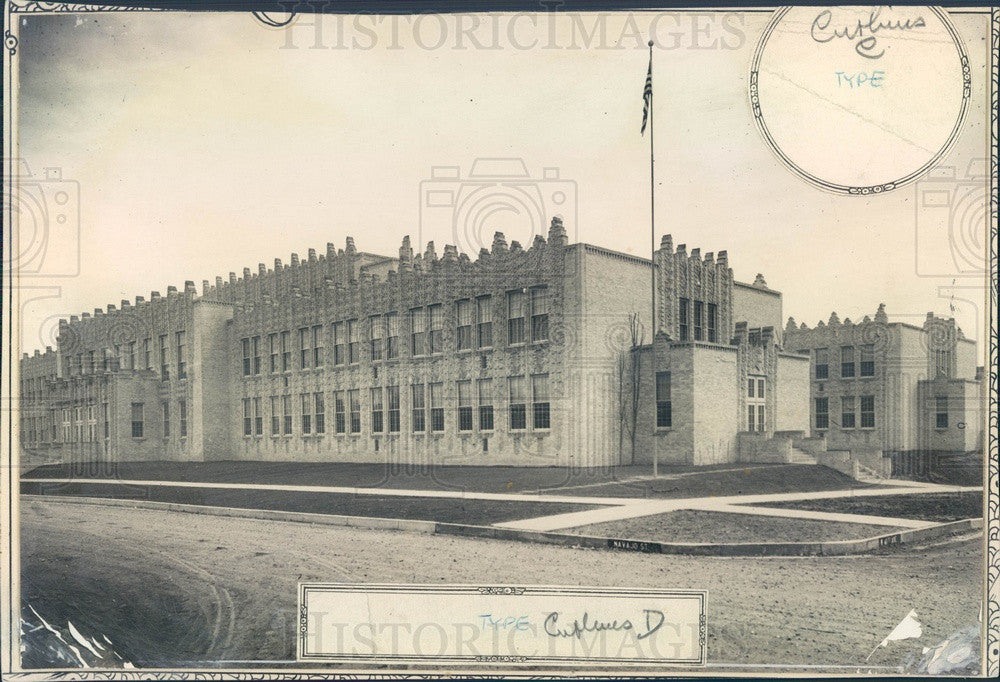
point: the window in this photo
(354, 402)
(305, 351)
(391, 336)
(463, 313)
(698, 326)
(255, 349)
(306, 414)
(286, 351)
(286, 408)
(516, 390)
(822, 363)
(275, 416)
(246, 357)
(375, 327)
(164, 358)
(515, 317)
(540, 411)
(713, 323)
(339, 412)
(392, 398)
(941, 412)
(131, 355)
(822, 413)
(683, 318)
(465, 405)
(180, 341)
(272, 347)
(751, 417)
(485, 404)
(868, 360)
(942, 363)
(317, 344)
(377, 410)
(146, 353)
(867, 411)
(418, 327)
(436, 337)
(166, 418)
(320, 406)
(437, 406)
(339, 344)
(664, 414)
(419, 411)
(756, 411)
(90, 362)
(484, 322)
(847, 362)
(353, 346)
(107, 421)
(137, 423)
(182, 415)
(247, 418)
(539, 314)
(847, 412)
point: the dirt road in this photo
(180, 589)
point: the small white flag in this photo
(908, 628)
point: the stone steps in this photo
(801, 457)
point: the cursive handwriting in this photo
(653, 622)
(863, 33)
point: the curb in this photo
(827, 548)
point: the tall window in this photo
(354, 402)
(164, 358)
(137, 422)
(392, 403)
(317, 344)
(339, 344)
(377, 405)
(286, 351)
(713, 323)
(822, 363)
(272, 347)
(165, 409)
(131, 355)
(463, 313)
(305, 351)
(664, 414)
(465, 405)
(847, 416)
(353, 344)
(540, 410)
(275, 416)
(942, 362)
(418, 331)
(320, 406)
(258, 419)
(419, 409)
(106, 418)
(339, 412)
(822, 413)
(518, 406)
(391, 336)
(867, 411)
(868, 360)
(684, 320)
(484, 322)
(755, 404)
(286, 406)
(539, 314)
(698, 321)
(247, 418)
(436, 391)
(515, 317)
(255, 349)
(180, 341)
(847, 362)
(246, 357)
(182, 415)
(306, 400)
(147, 362)
(436, 337)
(375, 331)
(941, 412)
(485, 387)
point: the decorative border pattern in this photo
(992, 587)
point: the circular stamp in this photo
(860, 100)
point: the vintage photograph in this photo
(512, 339)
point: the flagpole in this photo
(652, 233)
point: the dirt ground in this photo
(929, 507)
(707, 526)
(181, 589)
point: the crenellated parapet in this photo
(680, 274)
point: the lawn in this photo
(928, 507)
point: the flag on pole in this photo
(908, 628)
(647, 95)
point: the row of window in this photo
(848, 412)
(135, 355)
(702, 319)
(472, 401)
(527, 320)
(854, 361)
(139, 423)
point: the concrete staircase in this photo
(801, 457)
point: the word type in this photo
(861, 79)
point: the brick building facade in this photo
(517, 357)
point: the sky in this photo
(199, 144)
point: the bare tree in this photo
(629, 375)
